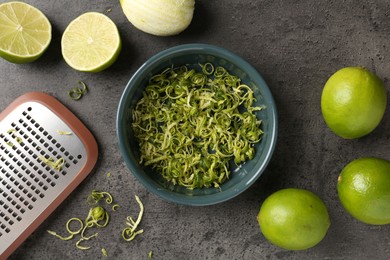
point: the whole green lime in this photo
(294, 219)
(353, 102)
(364, 190)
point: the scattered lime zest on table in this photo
(130, 232)
(77, 93)
(72, 233)
(96, 196)
(96, 217)
(108, 174)
(190, 125)
(10, 144)
(115, 206)
(104, 251)
(84, 239)
(53, 164)
(99, 217)
(150, 254)
(59, 236)
(63, 132)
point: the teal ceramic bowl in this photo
(241, 178)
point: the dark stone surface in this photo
(296, 46)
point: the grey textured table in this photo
(296, 46)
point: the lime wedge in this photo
(91, 42)
(25, 32)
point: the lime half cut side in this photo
(25, 32)
(91, 42)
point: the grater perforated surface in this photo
(29, 135)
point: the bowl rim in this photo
(200, 48)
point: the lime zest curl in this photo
(98, 217)
(77, 93)
(84, 239)
(96, 196)
(78, 230)
(207, 68)
(114, 207)
(130, 232)
(67, 226)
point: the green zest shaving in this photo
(63, 132)
(114, 207)
(53, 164)
(78, 230)
(17, 138)
(72, 233)
(96, 196)
(98, 217)
(104, 251)
(10, 131)
(76, 93)
(58, 236)
(84, 239)
(130, 232)
(190, 125)
(150, 254)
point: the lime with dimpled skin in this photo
(364, 190)
(293, 219)
(353, 102)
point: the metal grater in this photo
(33, 127)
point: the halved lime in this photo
(25, 32)
(91, 42)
